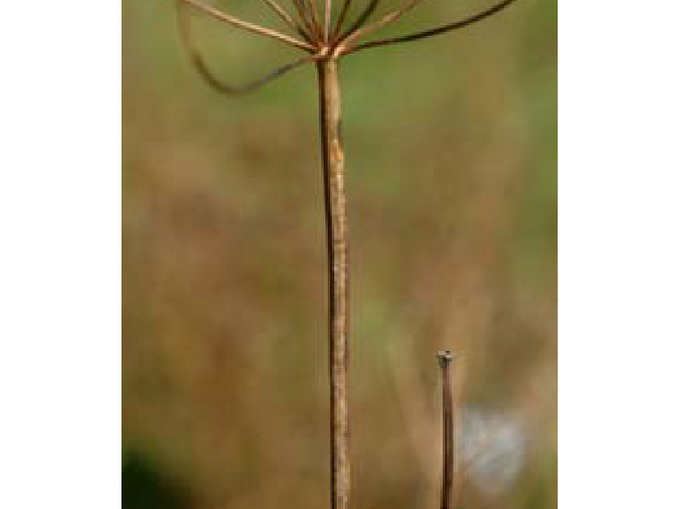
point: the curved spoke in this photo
(199, 63)
(257, 29)
(433, 31)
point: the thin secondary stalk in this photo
(338, 277)
(445, 359)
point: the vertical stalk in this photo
(445, 359)
(336, 238)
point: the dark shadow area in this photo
(145, 486)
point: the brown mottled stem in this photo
(445, 359)
(336, 237)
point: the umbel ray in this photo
(324, 39)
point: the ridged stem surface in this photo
(338, 275)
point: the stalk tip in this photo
(445, 357)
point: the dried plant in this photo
(325, 41)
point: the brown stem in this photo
(445, 359)
(336, 237)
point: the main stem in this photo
(336, 237)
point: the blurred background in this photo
(451, 146)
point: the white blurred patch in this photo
(493, 449)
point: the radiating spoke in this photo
(341, 17)
(305, 17)
(385, 20)
(283, 14)
(251, 27)
(433, 31)
(327, 20)
(373, 4)
(310, 5)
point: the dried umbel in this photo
(325, 40)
